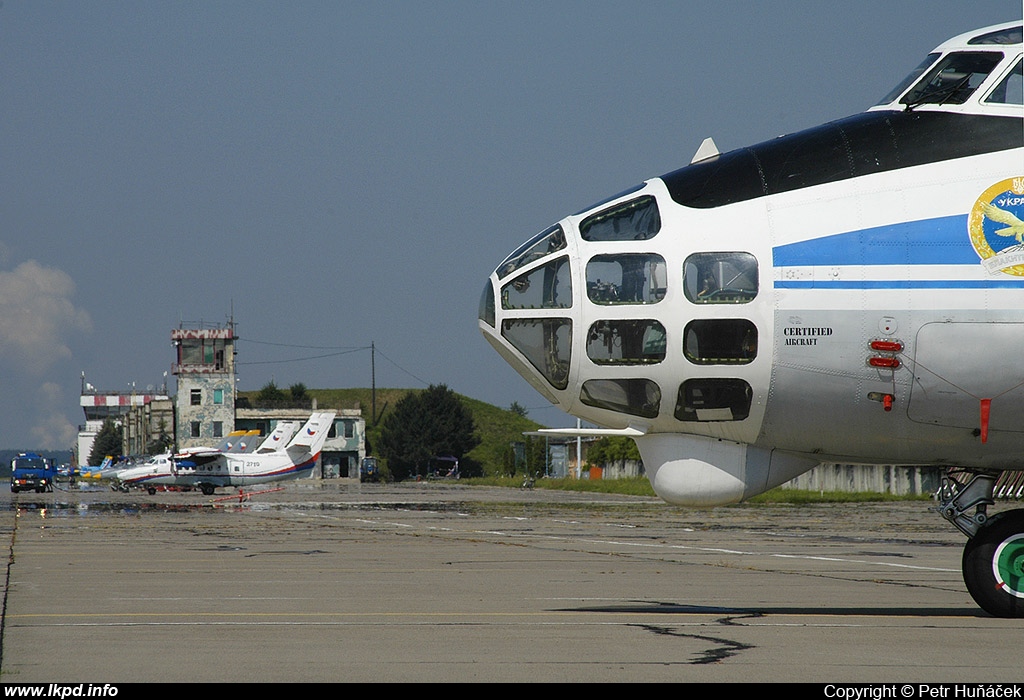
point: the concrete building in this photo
(149, 428)
(101, 405)
(205, 370)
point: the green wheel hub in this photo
(1008, 565)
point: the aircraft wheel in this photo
(993, 565)
(207, 489)
(151, 491)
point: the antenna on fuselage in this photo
(707, 149)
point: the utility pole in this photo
(373, 382)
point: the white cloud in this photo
(52, 429)
(37, 316)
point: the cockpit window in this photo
(954, 78)
(1010, 90)
(910, 79)
(548, 241)
(713, 399)
(548, 286)
(630, 278)
(626, 342)
(546, 343)
(720, 341)
(720, 278)
(486, 312)
(866, 143)
(1010, 35)
(637, 397)
(635, 220)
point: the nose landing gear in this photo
(993, 565)
(993, 559)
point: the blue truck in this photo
(30, 472)
(369, 470)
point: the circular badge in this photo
(996, 227)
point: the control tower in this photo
(205, 370)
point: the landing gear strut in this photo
(993, 560)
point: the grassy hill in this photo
(496, 427)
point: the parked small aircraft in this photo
(284, 454)
(105, 470)
(852, 293)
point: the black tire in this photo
(151, 491)
(993, 565)
(207, 489)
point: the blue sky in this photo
(336, 174)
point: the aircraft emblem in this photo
(996, 227)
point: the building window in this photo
(196, 397)
(218, 429)
(194, 428)
(218, 396)
(199, 352)
(350, 429)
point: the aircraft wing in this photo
(197, 457)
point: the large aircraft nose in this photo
(577, 299)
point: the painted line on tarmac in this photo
(666, 547)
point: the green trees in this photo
(613, 449)
(270, 392)
(423, 426)
(162, 442)
(108, 442)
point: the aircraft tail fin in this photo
(248, 442)
(229, 442)
(278, 439)
(310, 438)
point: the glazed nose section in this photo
(524, 311)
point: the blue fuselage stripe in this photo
(942, 241)
(912, 244)
(902, 284)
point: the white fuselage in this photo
(226, 470)
(851, 293)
